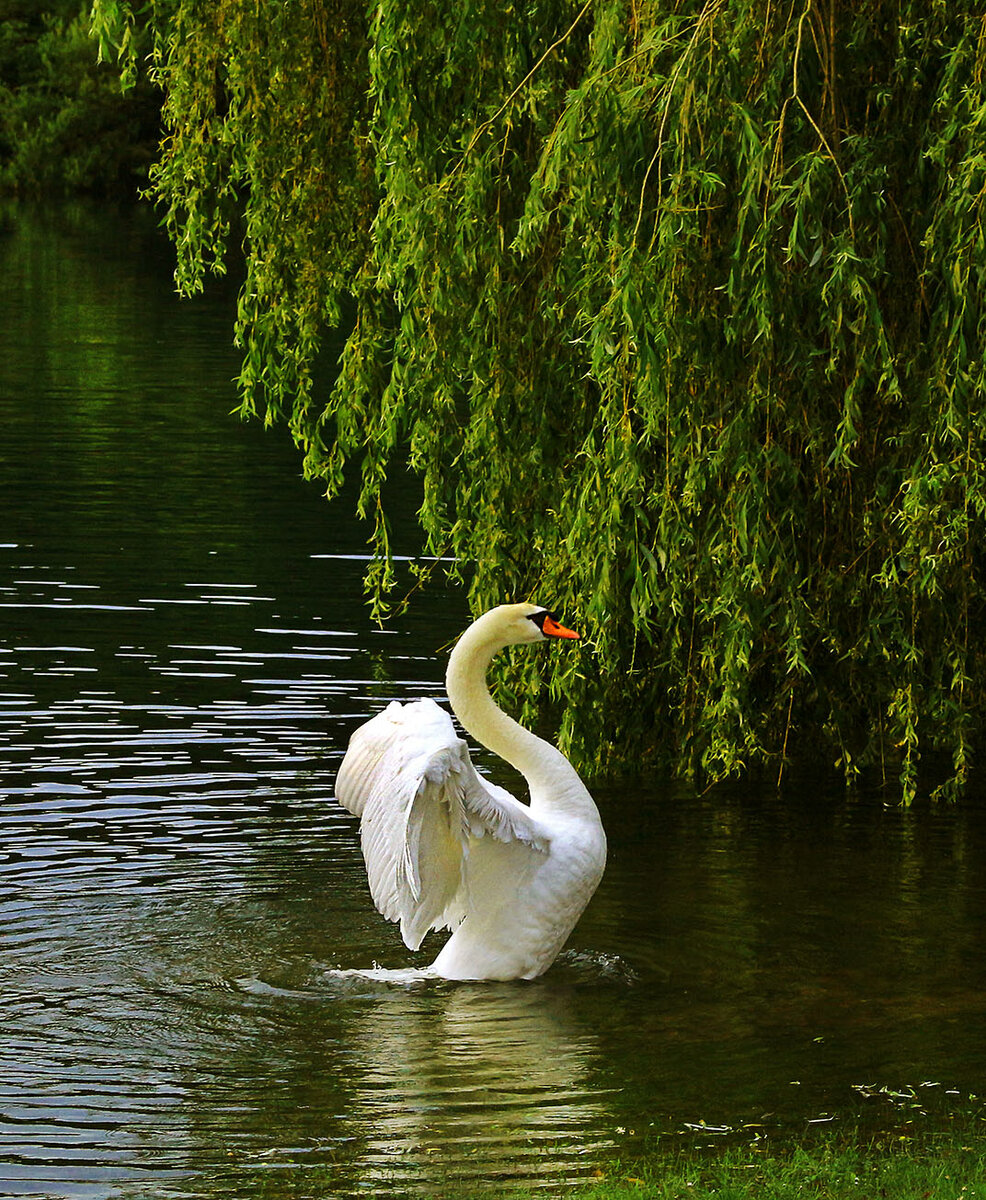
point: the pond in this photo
(184, 652)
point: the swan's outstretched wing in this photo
(420, 801)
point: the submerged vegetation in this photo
(675, 308)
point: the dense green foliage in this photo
(64, 126)
(673, 305)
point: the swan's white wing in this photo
(420, 801)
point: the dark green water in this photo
(183, 653)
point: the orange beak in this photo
(551, 628)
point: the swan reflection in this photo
(483, 1080)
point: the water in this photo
(183, 653)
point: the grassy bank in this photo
(946, 1161)
(947, 1166)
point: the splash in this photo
(405, 978)
(579, 966)
(596, 967)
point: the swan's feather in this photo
(421, 804)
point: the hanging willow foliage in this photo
(674, 307)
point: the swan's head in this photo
(514, 624)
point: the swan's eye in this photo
(550, 626)
(538, 618)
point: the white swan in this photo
(446, 849)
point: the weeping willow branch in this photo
(705, 19)
(747, 454)
(527, 79)
(809, 8)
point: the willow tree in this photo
(674, 307)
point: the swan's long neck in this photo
(553, 781)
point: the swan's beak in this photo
(551, 628)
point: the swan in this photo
(445, 848)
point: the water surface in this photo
(183, 654)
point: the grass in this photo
(946, 1161)
(948, 1166)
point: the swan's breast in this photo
(521, 908)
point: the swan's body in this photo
(445, 849)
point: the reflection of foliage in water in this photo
(674, 309)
